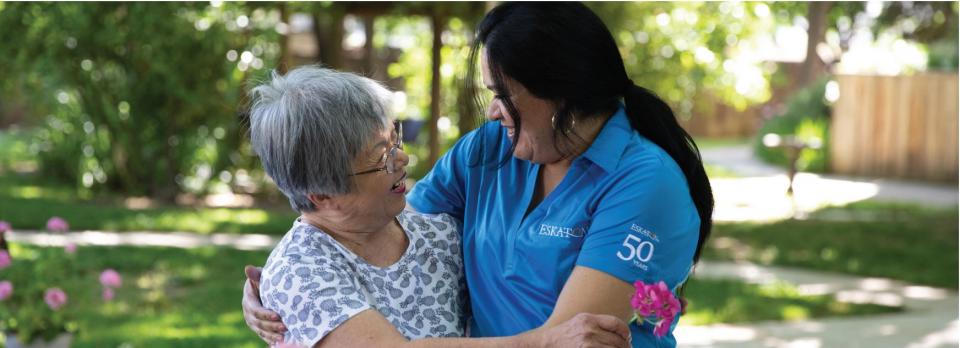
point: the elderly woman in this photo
(356, 269)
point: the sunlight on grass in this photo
(871, 239)
(27, 192)
(714, 301)
(717, 172)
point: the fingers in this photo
(253, 275)
(263, 314)
(251, 292)
(269, 337)
(603, 338)
(611, 324)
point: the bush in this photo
(139, 98)
(807, 117)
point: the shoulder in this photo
(645, 166)
(431, 226)
(304, 252)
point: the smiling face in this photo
(535, 141)
(377, 197)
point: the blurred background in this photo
(829, 131)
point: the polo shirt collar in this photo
(607, 148)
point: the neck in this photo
(584, 133)
(379, 245)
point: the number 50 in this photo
(642, 250)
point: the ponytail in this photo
(652, 118)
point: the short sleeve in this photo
(312, 296)
(443, 189)
(645, 228)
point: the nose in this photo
(402, 159)
(494, 111)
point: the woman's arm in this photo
(371, 329)
(592, 291)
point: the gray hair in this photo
(308, 125)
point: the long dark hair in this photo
(563, 52)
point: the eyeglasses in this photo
(389, 158)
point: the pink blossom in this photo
(4, 226)
(6, 289)
(70, 248)
(107, 294)
(663, 327)
(5, 259)
(57, 224)
(287, 345)
(656, 304)
(110, 278)
(55, 298)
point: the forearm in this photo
(524, 340)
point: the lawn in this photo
(170, 298)
(714, 301)
(908, 243)
(27, 205)
(191, 298)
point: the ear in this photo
(321, 202)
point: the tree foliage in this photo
(141, 97)
(683, 51)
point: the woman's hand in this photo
(586, 330)
(264, 322)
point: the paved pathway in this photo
(153, 239)
(760, 193)
(930, 318)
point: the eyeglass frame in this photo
(389, 157)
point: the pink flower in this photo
(287, 345)
(6, 289)
(56, 224)
(656, 304)
(663, 327)
(55, 298)
(4, 227)
(70, 248)
(110, 278)
(5, 259)
(107, 294)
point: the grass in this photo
(191, 298)
(170, 298)
(731, 302)
(718, 172)
(27, 205)
(903, 242)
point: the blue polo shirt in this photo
(623, 208)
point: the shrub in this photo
(807, 117)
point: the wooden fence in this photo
(896, 126)
(720, 120)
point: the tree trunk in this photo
(813, 66)
(369, 58)
(434, 140)
(285, 60)
(328, 31)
